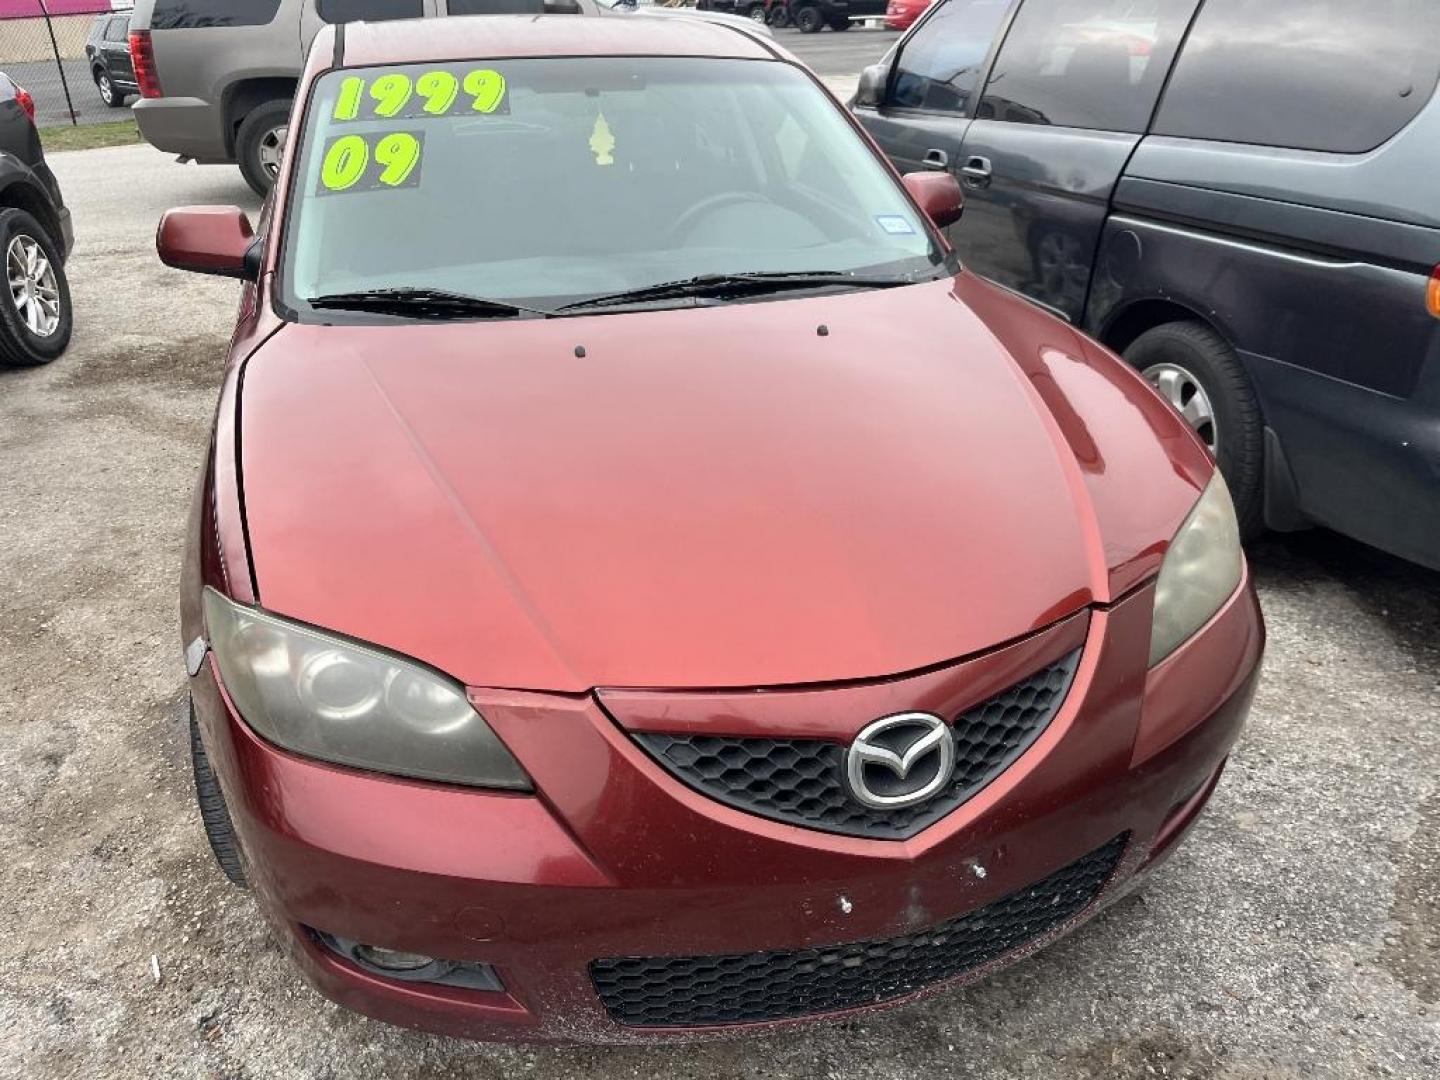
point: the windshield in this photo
(549, 181)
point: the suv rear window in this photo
(1085, 63)
(1328, 75)
(499, 7)
(189, 14)
(341, 11)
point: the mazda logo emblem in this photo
(900, 760)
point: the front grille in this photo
(690, 991)
(801, 781)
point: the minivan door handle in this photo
(977, 172)
(936, 159)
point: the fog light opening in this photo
(391, 959)
(409, 966)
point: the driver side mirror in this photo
(872, 86)
(938, 194)
(209, 240)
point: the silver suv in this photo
(217, 77)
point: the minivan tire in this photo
(219, 829)
(19, 345)
(254, 142)
(1239, 428)
(808, 19)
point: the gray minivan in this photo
(1239, 196)
(217, 77)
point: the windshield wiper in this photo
(420, 302)
(726, 285)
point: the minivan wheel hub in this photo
(1183, 390)
(33, 288)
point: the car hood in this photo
(796, 491)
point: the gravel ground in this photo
(1296, 935)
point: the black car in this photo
(35, 239)
(108, 52)
(809, 16)
(1239, 196)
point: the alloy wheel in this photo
(272, 150)
(33, 288)
(1184, 391)
(107, 91)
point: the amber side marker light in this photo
(1432, 293)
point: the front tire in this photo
(219, 829)
(808, 20)
(1197, 371)
(36, 318)
(260, 144)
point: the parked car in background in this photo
(748, 9)
(938, 642)
(1238, 195)
(748, 13)
(35, 240)
(901, 14)
(812, 16)
(108, 52)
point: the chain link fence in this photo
(42, 47)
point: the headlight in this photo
(332, 699)
(1201, 570)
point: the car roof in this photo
(507, 36)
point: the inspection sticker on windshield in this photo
(395, 95)
(894, 224)
(380, 160)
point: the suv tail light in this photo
(142, 56)
(1432, 293)
(27, 102)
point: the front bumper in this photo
(615, 861)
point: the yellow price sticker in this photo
(353, 163)
(393, 94)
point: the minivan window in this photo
(190, 14)
(939, 65)
(1328, 75)
(118, 28)
(1085, 63)
(342, 11)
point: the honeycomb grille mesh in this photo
(694, 991)
(801, 781)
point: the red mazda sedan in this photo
(641, 585)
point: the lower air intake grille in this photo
(801, 781)
(695, 991)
